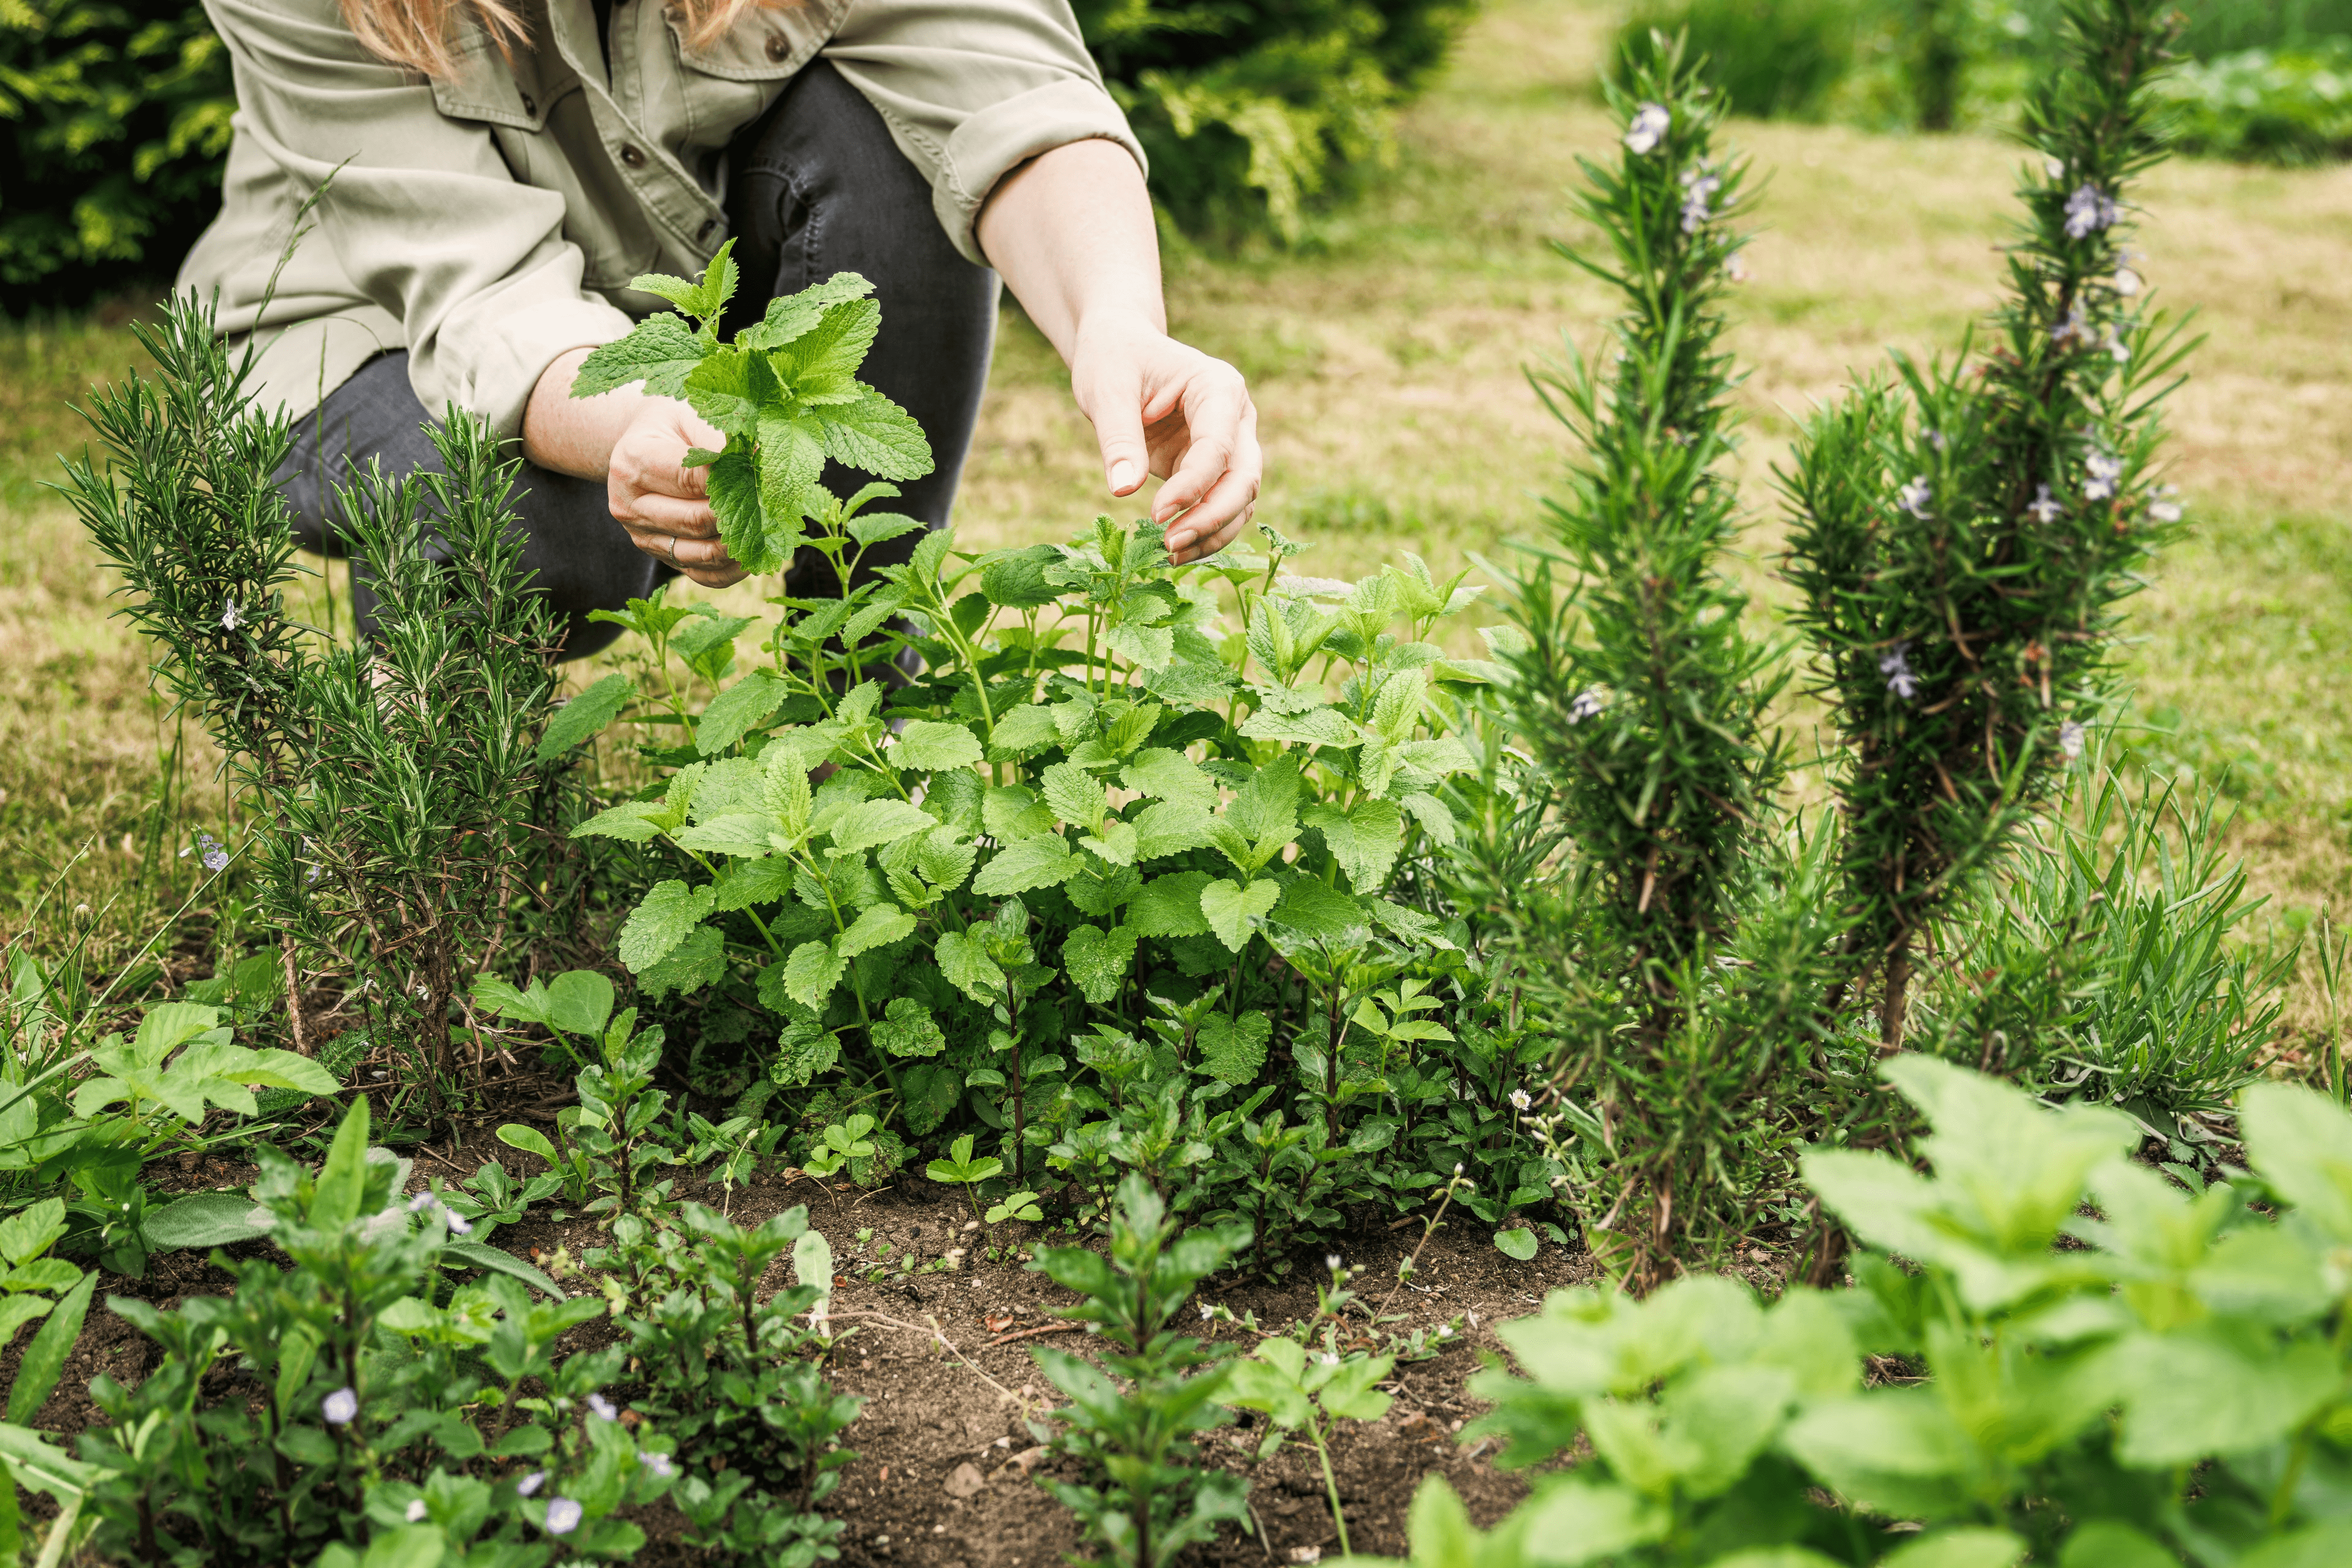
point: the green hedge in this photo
(114, 120)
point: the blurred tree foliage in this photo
(1251, 112)
(114, 116)
(114, 120)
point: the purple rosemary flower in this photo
(2088, 210)
(2071, 329)
(2117, 350)
(531, 1482)
(341, 1408)
(2105, 469)
(1648, 128)
(563, 1515)
(2070, 739)
(1736, 269)
(1699, 187)
(2043, 508)
(2164, 508)
(2126, 282)
(2053, 167)
(1938, 440)
(230, 619)
(1896, 665)
(422, 1202)
(1586, 704)
(1914, 496)
(603, 1407)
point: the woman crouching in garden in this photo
(470, 184)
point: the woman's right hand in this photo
(637, 445)
(665, 505)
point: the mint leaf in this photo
(1096, 960)
(877, 927)
(964, 960)
(877, 435)
(661, 921)
(733, 485)
(926, 745)
(1044, 862)
(812, 973)
(790, 458)
(1233, 1049)
(689, 967)
(907, 1029)
(793, 315)
(831, 350)
(660, 351)
(1169, 906)
(585, 715)
(736, 710)
(928, 1091)
(1233, 911)
(719, 389)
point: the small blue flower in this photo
(1648, 128)
(2044, 507)
(2105, 468)
(2088, 210)
(230, 619)
(1699, 187)
(1586, 704)
(2070, 739)
(531, 1482)
(603, 1407)
(1896, 665)
(1914, 496)
(563, 1515)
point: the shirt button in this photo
(777, 48)
(709, 227)
(631, 157)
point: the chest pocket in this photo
(485, 87)
(724, 85)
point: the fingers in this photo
(1215, 407)
(1117, 415)
(1220, 515)
(667, 514)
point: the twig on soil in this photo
(942, 1340)
(1033, 1333)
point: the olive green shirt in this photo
(490, 221)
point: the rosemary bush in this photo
(396, 797)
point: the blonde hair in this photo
(417, 33)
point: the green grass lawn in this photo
(1388, 357)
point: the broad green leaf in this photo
(1169, 906)
(742, 706)
(1232, 1050)
(1364, 841)
(343, 1179)
(1312, 909)
(873, 823)
(2301, 1144)
(1580, 1521)
(791, 316)
(1233, 911)
(732, 485)
(1519, 1244)
(2216, 1389)
(1073, 795)
(699, 961)
(498, 1261)
(28, 1233)
(1041, 862)
(1351, 1392)
(964, 960)
(579, 1002)
(877, 927)
(877, 435)
(1170, 827)
(803, 1051)
(790, 458)
(1011, 814)
(927, 1093)
(1265, 809)
(1024, 729)
(1169, 776)
(946, 860)
(907, 1029)
(585, 715)
(719, 389)
(1096, 960)
(531, 1140)
(927, 746)
(632, 822)
(662, 920)
(660, 351)
(169, 1025)
(1315, 727)
(2327, 1544)
(1963, 1546)
(1892, 1450)
(812, 973)
(205, 1220)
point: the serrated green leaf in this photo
(812, 973)
(1232, 1050)
(907, 1029)
(1233, 911)
(945, 859)
(790, 458)
(585, 715)
(927, 1093)
(964, 960)
(1169, 906)
(877, 927)
(1364, 841)
(740, 706)
(1169, 776)
(1044, 862)
(732, 485)
(929, 746)
(876, 435)
(662, 920)
(1096, 960)
(1025, 730)
(660, 351)
(877, 822)
(692, 965)
(1073, 795)
(719, 389)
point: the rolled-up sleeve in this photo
(424, 219)
(971, 92)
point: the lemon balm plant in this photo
(1103, 786)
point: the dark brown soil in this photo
(936, 1421)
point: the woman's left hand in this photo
(1163, 408)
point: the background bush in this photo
(114, 120)
(114, 123)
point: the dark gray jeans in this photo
(817, 188)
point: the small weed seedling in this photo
(1300, 1389)
(1142, 1502)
